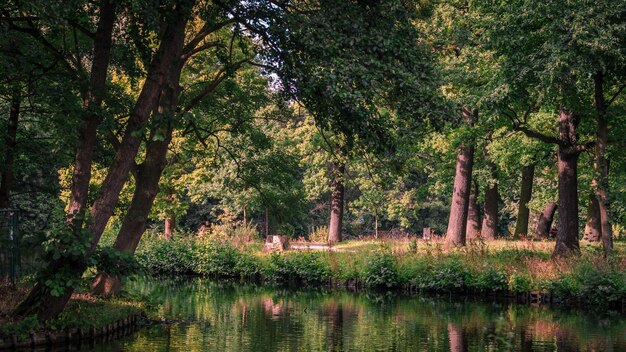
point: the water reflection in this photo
(201, 315)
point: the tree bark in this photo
(457, 222)
(149, 174)
(336, 203)
(544, 224)
(376, 223)
(117, 174)
(245, 216)
(526, 192)
(593, 231)
(267, 223)
(490, 219)
(601, 165)
(40, 301)
(170, 226)
(92, 101)
(473, 214)
(6, 179)
(567, 236)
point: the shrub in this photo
(237, 234)
(221, 259)
(319, 234)
(447, 276)
(520, 283)
(298, 268)
(592, 286)
(381, 271)
(489, 279)
(160, 256)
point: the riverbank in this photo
(504, 268)
(85, 320)
(223, 315)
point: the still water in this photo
(202, 315)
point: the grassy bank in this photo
(83, 312)
(506, 267)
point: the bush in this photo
(221, 259)
(447, 277)
(489, 279)
(381, 271)
(520, 283)
(161, 256)
(319, 234)
(306, 268)
(591, 286)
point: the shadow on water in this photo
(202, 315)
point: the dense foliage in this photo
(318, 120)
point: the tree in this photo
(48, 297)
(526, 191)
(555, 78)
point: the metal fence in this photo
(10, 260)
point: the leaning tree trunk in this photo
(149, 174)
(6, 179)
(526, 192)
(457, 222)
(490, 219)
(117, 174)
(92, 101)
(41, 300)
(567, 236)
(593, 231)
(601, 166)
(473, 214)
(336, 202)
(544, 224)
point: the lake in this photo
(203, 315)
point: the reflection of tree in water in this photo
(333, 314)
(227, 317)
(458, 341)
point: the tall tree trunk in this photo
(135, 221)
(490, 219)
(593, 231)
(376, 223)
(168, 54)
(526, 192)
(245, 216)
(170, 226)
(473, 214)
(267, 223)
(567, 236)
(6, 179)
(544, 224)
(601, 165)
(147, 180)
(336, 203)
(457, 222)
(40, 300)
(92, 101)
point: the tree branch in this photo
(615, 95)
(540, 136)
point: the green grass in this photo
(83, 312)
